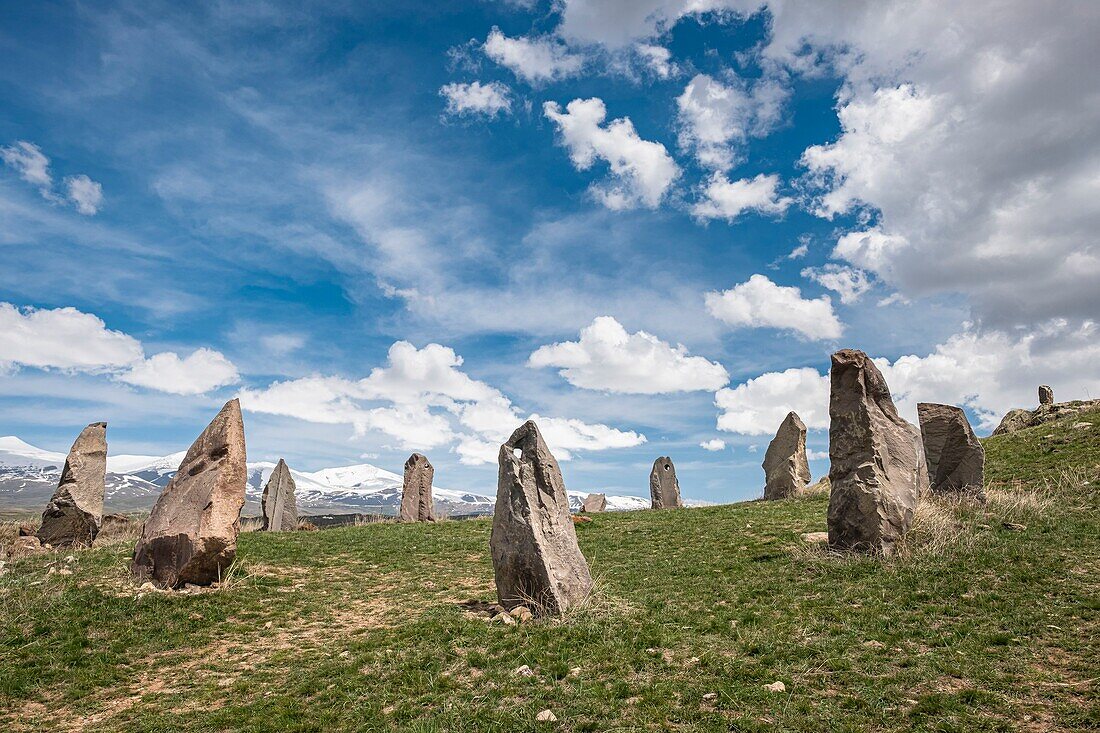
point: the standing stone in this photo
(279, 505)
(875, 466)
(75, 513)
(536, 559)
(664, 489)
(786, 469)
(955, 456)
(594, 503)
(191, 534)
(1046, 395)
(416, 494)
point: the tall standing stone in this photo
(75, 513)
(786, 469)
(664, 489)
(875, 465)
(1046, 395)
(191, 534)
(279, 504)
(955, 456)
(594, 503)
(416, 493)
(536, 559)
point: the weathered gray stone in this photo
(786, 469)
(664, 489)
(953, 453)
(75, 512)
(875, 465)
(279, 504)
(416, 494)
(1046, 395)
(536, 559)
(594, 503)
(1020, 419)
(191, 534)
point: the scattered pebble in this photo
(776, 686)
(504, 618)
(1013, 526)
(872, 644)
(546, 717)
(70, 558)
(575, 672)
(524, 671)
(521, 614)
(814, 538)
(710, 696)
(64, 571)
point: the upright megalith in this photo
(875, 464)
(1046, 395)
(954, 455)
(786, 469)
(664, 489)
(594, 503)
(536, 559)
(191, 534)
(416, 493)
(279, 504)
(75, 513)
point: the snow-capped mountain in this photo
(29, 475)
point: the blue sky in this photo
(411, 226)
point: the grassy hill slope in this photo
(974, 627)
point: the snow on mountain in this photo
(29, 475)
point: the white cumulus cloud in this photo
(758, 406)
(476, 98)
(849, 282)
(726, 199)
(641, 170)
(716, 119)
(714, 444)
(28, 160)
(759, 302)
(85, 194)
(539, 59)
(201, 371)
(609, 358)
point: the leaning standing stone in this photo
(279, 503)
(536, 560)
(191, 534)
(875, 467)
(955, 456)
(786, 469)
(75, 512)
(1046, 395)
(664, 489)
(416, 494)
(594, 503)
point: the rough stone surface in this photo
(594, 503)
(75, 513)
(875, 465)
(536, 559)
(1046, 395)
(279, 505)
(786, 469)
(24, 546)
(1019, 419)
(664, 489)
(191, 534)
(953, 453)
(416, 495)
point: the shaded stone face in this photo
(1046, 395)
(416, 494)
(536, 560)
(875, 463)
(664, 489)
(191, 534)
(594, 503)
(279, 503)
(75, 512)
(954, 455)
(786, 469)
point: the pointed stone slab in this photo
(536, 559)
(75, 513)
(191, 534)
(279, 504)
(594, 503)
(1046, 395)
(416, 493)
(953, 453)
(664, 489)
(786, 469)
(875, 464)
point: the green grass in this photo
(973, 628)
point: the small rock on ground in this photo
(524, 671)
(546, 717)
(814, 538)
(776, 686)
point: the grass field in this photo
(974, 627)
